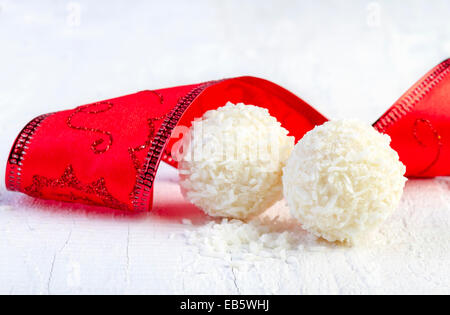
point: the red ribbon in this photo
(108, 153)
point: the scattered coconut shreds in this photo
(343, 180)
(261, 238)
(233, 164)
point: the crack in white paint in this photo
(233, 271)
(127, 267)
(52, 268)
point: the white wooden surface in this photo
(347, 58)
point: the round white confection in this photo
(343, 180)
(232, 166)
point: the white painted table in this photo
(352, 60)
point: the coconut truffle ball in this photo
(343, 180)
(233, 164)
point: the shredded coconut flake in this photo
(6, 208)
(233, 164)
(343, 180)
(186, 222)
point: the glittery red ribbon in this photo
(108, 153)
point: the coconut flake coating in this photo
(343, 180)
(232, 166)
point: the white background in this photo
(346, 58)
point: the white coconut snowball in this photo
(232, 166)
(343, 180)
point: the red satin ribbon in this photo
(107, 153)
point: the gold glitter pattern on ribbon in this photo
(437, 137)
(70, 181)
(97, 143)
